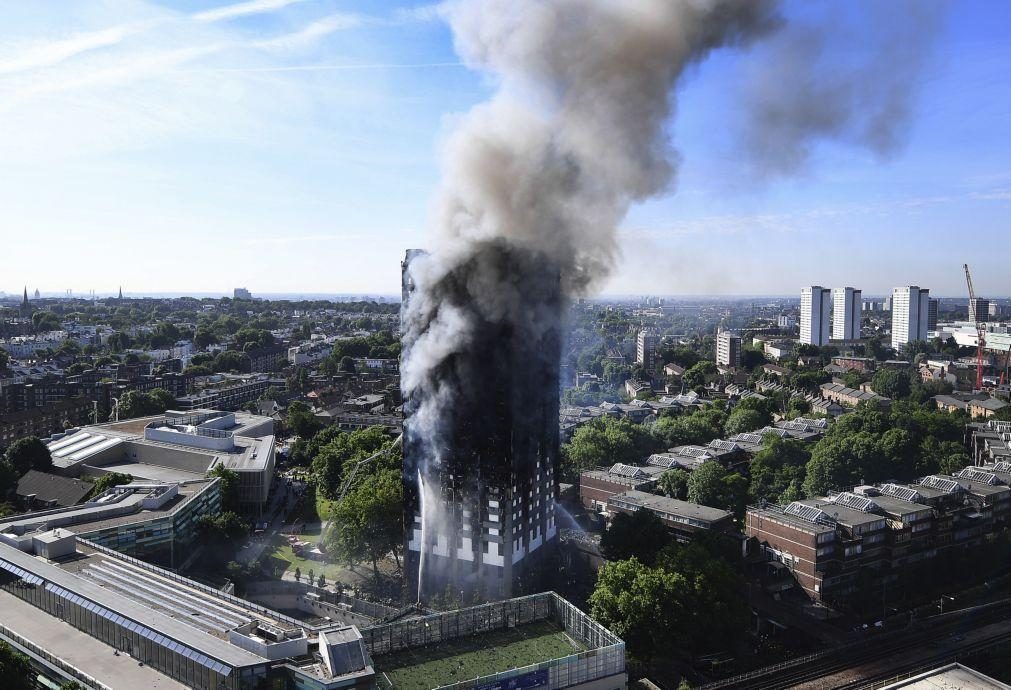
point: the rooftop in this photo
(472, 657)
(950, 677)
(131, 600)
(673, 506)
(48, 488)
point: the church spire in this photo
(121, 292)
(25, 300)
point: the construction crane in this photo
(980, 328)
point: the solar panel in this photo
(948, 486)
(722, 444)
(976, 475)
(748, 438)
(856, 502)
(1002, 466)
(661, 460)
(809, 513)
(629, 471)
(903, 493)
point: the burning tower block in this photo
(481, 431)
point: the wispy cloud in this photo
(286, 240)
(242, 9)
(993, 195)
(338, 67)
(51, 53)
(422, 13)
(338, 21)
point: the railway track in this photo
(853, 655)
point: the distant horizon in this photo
(361, 296)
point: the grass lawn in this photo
(281, 554)
(473, 656)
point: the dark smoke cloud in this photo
(856, 84)
(573, 135)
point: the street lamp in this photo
(943, 597)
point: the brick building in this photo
(44, 421)
(842, 545)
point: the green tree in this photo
(347, 364)
(778, 466)
(143, 404)
(204, 337)
(29, 454)
(228, 487)
(743, 420)
(8, 477)
(674, 483)
(891, 383)
(45, 321)
(107, 481)
(301, 420)
(706, 484)
(642, 605)
(605, 441)
(714, 613)
(700, 427)
(699, 373)
(4, 358)
(368, 521)
(221, 535)
(339, 456)
(15, 668)
(639, 535)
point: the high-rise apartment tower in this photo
(815, 306)
(910, 314)
(846, 306)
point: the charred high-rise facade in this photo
(481, 429)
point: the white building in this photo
(645, 348)
(786, 321)
(910, 314)
(815, 307)
(728, 349)
(846, 313)
(241, 293)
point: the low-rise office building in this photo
(597, 486)
(170, 627)
(154, 521)
(175, 447)
(684, 519)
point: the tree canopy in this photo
(15, 669)
(29, 454)
(107, 481)
(228, 487)
(142, 403)
(639, 535)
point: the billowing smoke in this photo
(536, 181)
(538, 178)
(856, 83)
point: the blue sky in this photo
(293, 146)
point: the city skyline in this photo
(177, 109)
